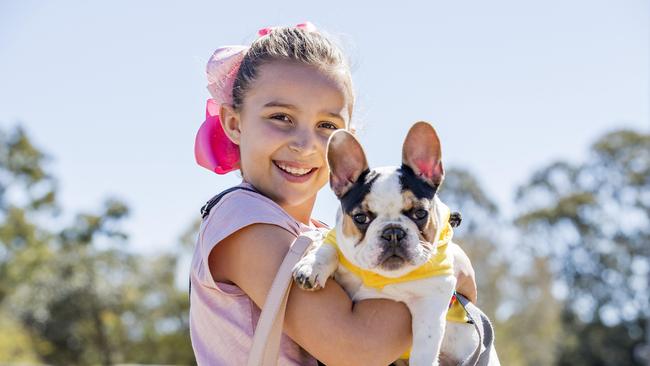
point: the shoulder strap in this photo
(205, 210)
(266, 341)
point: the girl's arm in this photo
(325, 323)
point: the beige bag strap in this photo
(266, 341)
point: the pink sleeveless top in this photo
(222, 317)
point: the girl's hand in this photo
(465, 278)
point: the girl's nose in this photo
(304, 142)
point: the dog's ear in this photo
(346, 161)
(421, 152)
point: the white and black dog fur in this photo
(388, 223)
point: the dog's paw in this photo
(309, 274)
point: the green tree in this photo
(27, 191)
(72, 293)
(592, 220)
(514, 291)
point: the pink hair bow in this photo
(213, 149)
(307, 26)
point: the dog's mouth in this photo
(393, 263)
(393, 259)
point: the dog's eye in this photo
(420, 214)
(361, 219)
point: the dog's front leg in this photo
(429, 317)
(429, 320)
(313, 270)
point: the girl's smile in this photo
(297, 173)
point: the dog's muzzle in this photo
(394, 253)
(393, 235)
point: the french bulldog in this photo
(390, 241)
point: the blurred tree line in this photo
(71, 293)
(565, 281)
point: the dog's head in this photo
(389, 217)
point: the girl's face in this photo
(282, 128)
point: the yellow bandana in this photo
(439, 264)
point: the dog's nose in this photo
(393, 234)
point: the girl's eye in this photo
(328, 125)
(281, 117)
(420, 214)
(361, 219)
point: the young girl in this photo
(274, 106)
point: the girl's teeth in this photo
(294, 171)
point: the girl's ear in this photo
(230, 122)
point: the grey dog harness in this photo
(483, 326)
(485, 333)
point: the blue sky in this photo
(115, 91)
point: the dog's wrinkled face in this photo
(388, 220)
